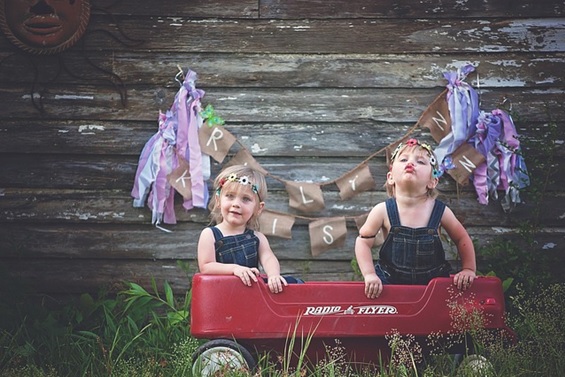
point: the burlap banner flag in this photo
(179, 178)
(215, 141)
(276, 224)
(305, 197)
(243, 157)
(354, 182)
(326, 234)
(436, 118)
(360, 220)
(466, 159)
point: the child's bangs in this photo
(236, 187)
(422, 151)
(417, 149)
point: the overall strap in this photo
(392, 211)
(251, 233)
(217, 233)
(437, 213)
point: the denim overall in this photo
(240, 249)
(412, 255)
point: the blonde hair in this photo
(413, 144)
(240, 175)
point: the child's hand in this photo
(246, 274)
(373, 286)
(464, 278)
(276, 283)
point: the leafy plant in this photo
(93, 336)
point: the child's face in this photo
(412, 165)
(238, 203)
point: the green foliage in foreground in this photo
(142, 333)
(136, 333)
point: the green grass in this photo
(146, 333)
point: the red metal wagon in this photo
(242, 323)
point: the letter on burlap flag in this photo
(305, 197)
(243, 157)
(179, 178)
(215, 141)
(354, 182)
(326, 234)
(466, 159)
(436, 117)
(276, 224)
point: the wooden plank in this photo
(79, 137)
(81, 276)
(105, 139)
(103, 172)
(172, 9)
(95, 137)
(99, 241)
(73, 206)
(506, 69)
(276, 105)
(61, 206)
(275, 9)
(23, 241)
(408, 9)
(346, 36)
(71, 172)
(343, 36)
(118, 173)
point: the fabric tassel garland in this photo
(463, 104)
(467, 135)
(493, 135)
(485, 177)
(504, 169)
(177, 136)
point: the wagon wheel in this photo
(475, 365)
(219, 356)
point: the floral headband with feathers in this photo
(243, 180)
(437, 170)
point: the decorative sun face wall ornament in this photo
(43, 31)
(44, 26)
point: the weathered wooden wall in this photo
(310, 87)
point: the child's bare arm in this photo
(270, 264)
(465, 248)
(363, 250)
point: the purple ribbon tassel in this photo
(177, 136)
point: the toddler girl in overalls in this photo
(409, 220)
(233, 245)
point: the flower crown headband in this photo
(437, 171)
(243, 180)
